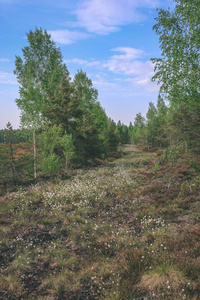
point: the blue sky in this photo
(111, 40)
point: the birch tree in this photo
(40, 70)
(178, 69)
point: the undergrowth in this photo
(126, 230)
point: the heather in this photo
(123, 230)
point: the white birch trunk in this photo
(35, 154)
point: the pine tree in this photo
(139, 134)
(64, 106)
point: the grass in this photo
(163, 276)
(105, 233)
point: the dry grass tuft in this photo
(163, 277)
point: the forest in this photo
(62, 122)
(94, 209)
(65, 126)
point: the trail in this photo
(106, 233)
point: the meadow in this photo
(129, 229)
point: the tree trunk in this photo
(12, 163)
(66, 164)
(186, 147)
(35, 154)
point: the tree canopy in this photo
(38, 72)
(178, 71)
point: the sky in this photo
(111, 40)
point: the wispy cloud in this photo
(4, 59)
(66, 36)
(130, 63)
(77, 61)
(81, 62)
(105, 85)
(144, 82)
(7, 78)
(127, 64)
(104, 17)
(129, 53)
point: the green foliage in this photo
(164, 155)
(170, 155)
(185, 189)
(184, 126)
(178, 70)
(113, 138)
(56, 150)
(18, 136)
(173, 156)
(151, 126)
(39, 73)
(197, 182)
(91, 130)
(8, 160)
(139, 131)
(151, 131)
(64, 106)
(49, 140)
(84, 87)
(156, 124)
(51, 164)
(1, 136)
(123, 133)
(156, 166)
(66, 114)
(16, 164)
(40, 70)
(195, 165)
(68, 146)
(24, 166)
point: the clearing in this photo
(126, 230)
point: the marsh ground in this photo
(126, 230)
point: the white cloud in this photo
(127, 63)
(129, 53)
(103, 16)
(4, 59)
(7, 78)
(100, 82)
(94, 63)
(79, 61)
(67, 37)
(145, 83)
(128, 67)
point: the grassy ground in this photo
(127, 230)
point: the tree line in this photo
(176, 126)
(65, 121)
(55, 151)
(62, 121)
